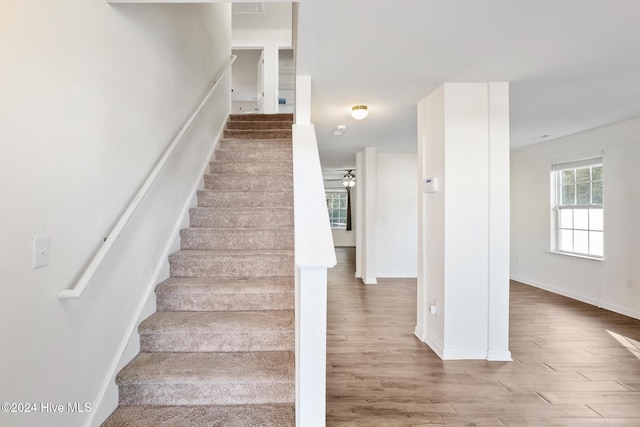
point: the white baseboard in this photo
(469, 354)
(435, 345)
(465, 354)
(499, 356)
(600, 304)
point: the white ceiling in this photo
(573, 65)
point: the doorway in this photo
(247, 77)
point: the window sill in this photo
(586, 257)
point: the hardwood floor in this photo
(574, 364)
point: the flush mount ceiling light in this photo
(359, 112)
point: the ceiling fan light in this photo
(359, 112)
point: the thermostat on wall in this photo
(431, 185)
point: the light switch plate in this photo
(40, 251)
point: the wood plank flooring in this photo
(574, 364)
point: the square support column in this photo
(463, 266)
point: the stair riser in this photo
(194, 238)
(285, 117)
(229, 199)
(211, 217)
(173, 301)
(257, 134)
(259, 125)
(255, 144)
(252, 168)
(248, 183)
(206, 394)
(229, 266)
(217, 342)
(275, 155)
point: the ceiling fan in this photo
(348, 180)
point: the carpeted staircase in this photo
(220, 349)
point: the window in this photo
(578, 207)
(337, 206)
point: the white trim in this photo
(436, 346)
(591, 301)
(555, 290)
(499, 356)
(163, 260)
(575, 255)
(465, 354)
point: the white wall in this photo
(613, 283)
(343, 238)
(90, 95)
(397, 215)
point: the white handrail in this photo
(90, 271)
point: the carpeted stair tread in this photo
(172, 322)
(225, 285)
(252, 168)
(205, 368)
(188, 331)
(202, 378)
(241, 217)
(226, 263)
(257, 134)
(287, 117)
(278, 154)
(244, 199)
(259, 124)
(256, 183)
(255, 144)
(237, 238)
(282, 415)
(223, 294)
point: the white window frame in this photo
(341, 194)
(594, 211)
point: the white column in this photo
(464, 232)
(359, 220)
(368, 188)
(499, 215)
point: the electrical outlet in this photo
(40, 251)
(631, 284)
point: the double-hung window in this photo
(337, 207)
(578, 207)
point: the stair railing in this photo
(109, 241)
